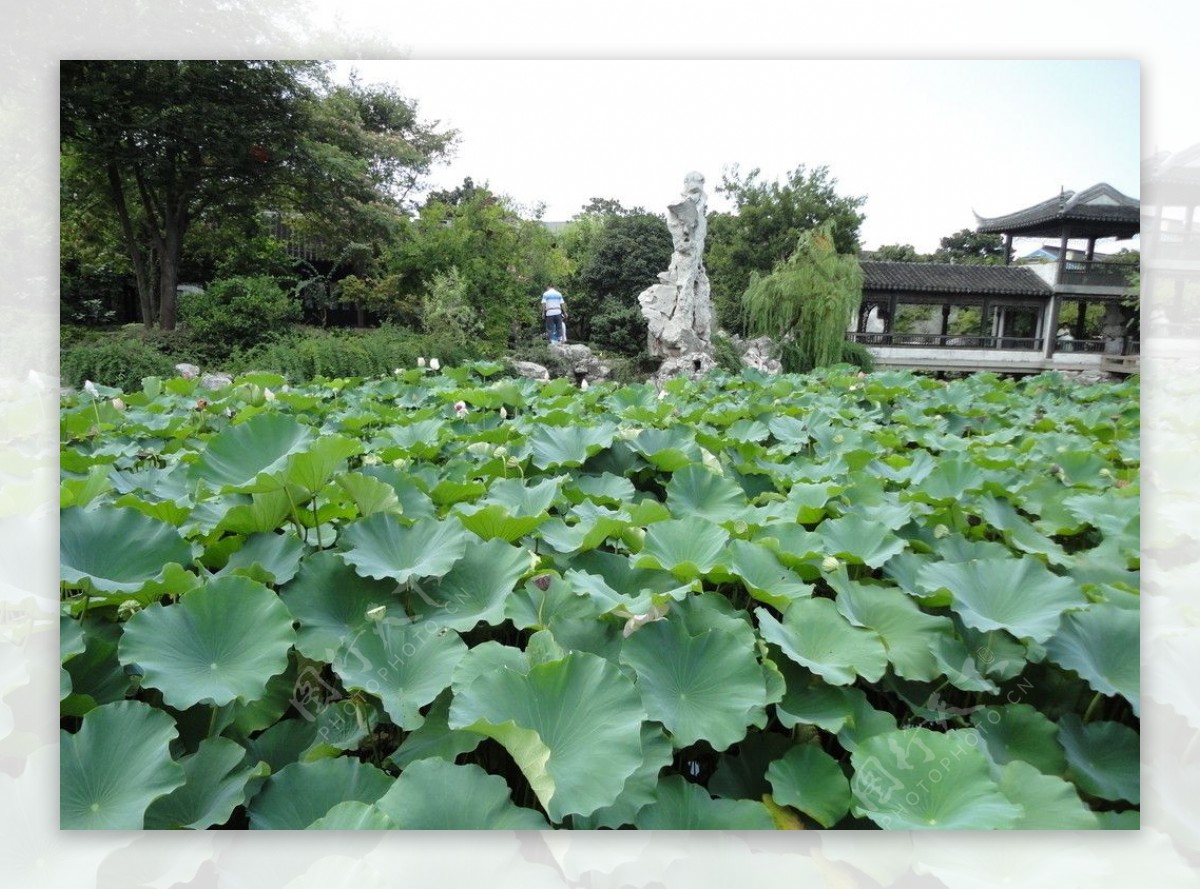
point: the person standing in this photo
(554, 309)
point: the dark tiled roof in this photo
(950, 278)
(1099, 205)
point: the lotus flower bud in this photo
(460, 408)
(830, 564)
(434, 364)
(119, 404)
(268, 395)
(420, 361)
(940, 531)
(503, 413)
(90, 389)
(583, 384)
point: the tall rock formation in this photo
(678, 310)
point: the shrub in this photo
(237, 313)
(858, 355)
(116, 361)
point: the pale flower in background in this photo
(119, 404)
(420, 361)
(90, 389)
(434, 364)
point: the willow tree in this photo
(807, 302)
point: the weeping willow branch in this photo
(807, 301)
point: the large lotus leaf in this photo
(116, 550)
(681, 805)
(435, 738)
(764, 576)
(331, 602)
(811, 781)
(267, 557)
(741, 772)
(708, 686)
(808, 502)
(435, 794)
(607, 488)
(354, 815)
(572, 726)
(794, 545)
(918, 778)
(405, 663)
(695, 490)
(1018, 595)
(1048, 802)
(640, 788)
(546, 600)
(263, 512)
(235, 457)
(910, 636)
(114, 768)
(814, 634)
(1102, 645)
(1103, 758)
(222, 641)
(612, 581)
(475, 589)
(301, 793)
(1020, 532)
(569, 446)
(217, 778)
(380, 546)
(522, 499)
(96, 677)
(688, 548)
(493, 521)
(843, 710)
(312, 468)
(370, 495)
(860, 540)
(668, 449)
(949, 480)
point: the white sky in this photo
(926, 142)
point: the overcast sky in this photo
(926, 142)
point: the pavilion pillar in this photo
(1050, 329)
(1062, 259)
(1007, 249)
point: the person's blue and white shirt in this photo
(552, 302)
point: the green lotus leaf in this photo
(236, 456)
(435, 738)
(301, 793)
(415, 503)
(1018, 595)
(613, 582)
(1114, 512)
(860, 540)
(1102, 645)
(217, 777)
(448, 492)
(569, 446)
(476, 589)
(81, 492)
(116, 550)
(683, 806)
(949, 481)
(669, 449)
(1127, 820)
(593, 528)
(811, 781)
(116, 766)
(1020, 532)
(764, 576)
(741, 772)
(695, 490)
(331, 602)
(266, 557)
(70, 638)
(436, 794)
(1048, 802)
(708, 686)
(354, 815)
(842, 710)
(789, 430)
(222, 641)
(910, 636)
(640, 788)
(370, 495)
(918, 778)
(688, 548)
(380, 546)
(96, 677)
(284, 742)
(264, 512)
(794, 546)
(405, 663)
(490, 521)
(607, 488)
(420, 437)
(572, 726)
(523, 499)
(340, 722)
(815, 635)
(312, 469)
(533, 608)
(1103, 758)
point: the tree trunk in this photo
(141, 271)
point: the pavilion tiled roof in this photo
(1092, 210)
(951, 278)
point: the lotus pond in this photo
(459, 600)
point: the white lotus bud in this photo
(838, 439)
(460, 408)
(830, 564)
(1105, 472)
(420, 361)
(371, 460)
(119, 404)
(396, 371)
(940, 531)
(90, 389)
(583, 384)
(434, 364)
(268, 395)
(503, 413)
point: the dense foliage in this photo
(458, 600)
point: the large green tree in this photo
(807, 302)
(764, 226)
(172, 144)
(969, 247)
